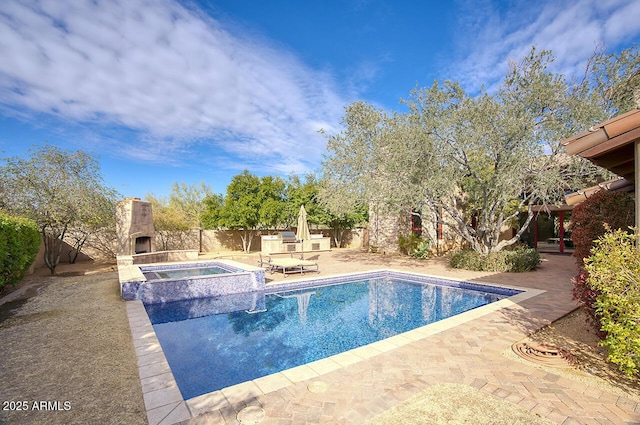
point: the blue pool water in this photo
(178, 273)
(210, 346)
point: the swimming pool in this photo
(214, 343)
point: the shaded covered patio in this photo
(549, 230)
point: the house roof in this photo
(617, 185)
(610, 144)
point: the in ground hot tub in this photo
(164, 282)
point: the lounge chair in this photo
(290, 265)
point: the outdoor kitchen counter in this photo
(281, 244)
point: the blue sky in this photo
(173, 91)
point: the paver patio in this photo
(361, 384)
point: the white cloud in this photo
(621, 21)
(572, 30)
(175, 76)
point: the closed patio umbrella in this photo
(303, 228)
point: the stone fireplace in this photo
(134, 227)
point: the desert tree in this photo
(171, 223)
(299, 191)
(61, 191)
(96, 228)
(616, 79)
(178, 213)
(476, 162)
(190, 200)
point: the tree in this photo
(55, 188)
(340, 223)
(352, 167)
(212, 215)
(319, 204)
(303, 192)
(616, 78)
(98, 218)
(190, 200)
(251, 204)
(248, 201)
(170, 223)
(241, 208)
(181, 211)
(475, 163)
(273, 204)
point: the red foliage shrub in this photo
(586, 297)
(588, 219)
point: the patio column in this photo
(561, 231)
(535, 231)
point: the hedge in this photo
(19, 245)
(514, 260)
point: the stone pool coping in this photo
(164, 403)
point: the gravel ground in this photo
(66, 340)
(69, 346)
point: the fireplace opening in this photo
(143, 245)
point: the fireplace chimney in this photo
(134, 227)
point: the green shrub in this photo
(614, 272)
(422, 250)
(408, 244)
(514, 260)
(467, 259)
(414, 246)
(19, 244)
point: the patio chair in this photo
(292, 265)
(265, 261)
